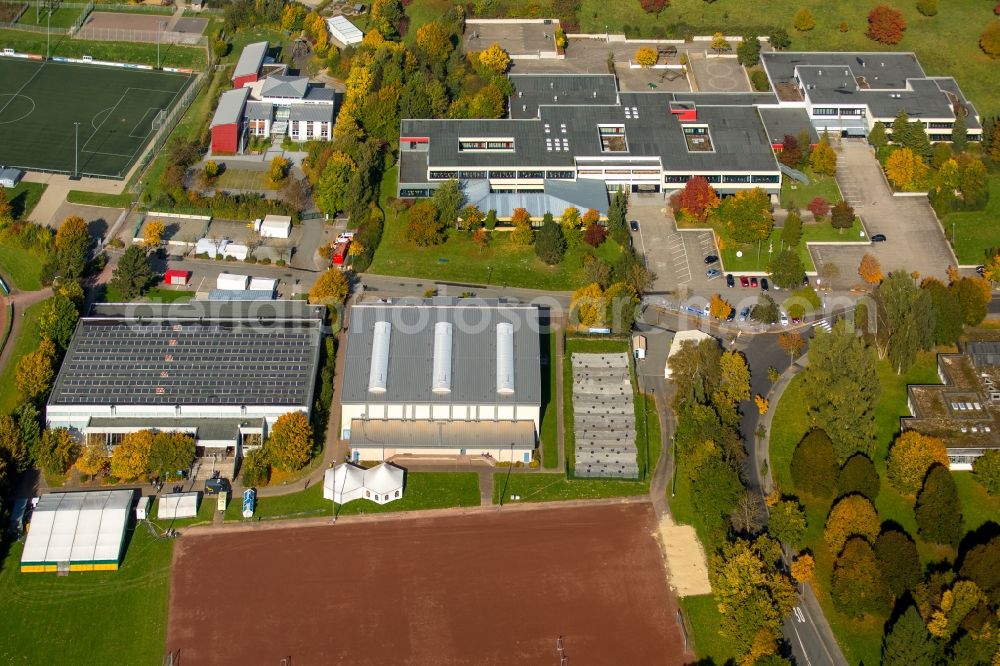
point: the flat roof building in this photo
(344, 31)
(442, 376)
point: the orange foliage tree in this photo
(870, 269)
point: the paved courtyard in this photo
(712, 74)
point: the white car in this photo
(784, 319)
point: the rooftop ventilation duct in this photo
(441, 375)
(379, 373)
(505, 359)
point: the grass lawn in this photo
(23, 344)
(24, 198)
(977, 231)
(423, 490)
(554, 487)
(112, 617)
(153, 294)
(21, 267)
(460, 259)
(811, 233)
(206, 510)
(62, 17)
(958, 25)
(242, 179)
(123, 200)
(794, 193)
(548, 433)
(703, 619)
(171, 55)
(861, 639)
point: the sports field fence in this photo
(167, 127)
(145, 36)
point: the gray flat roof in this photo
(470, 435)
(212, 353)
(533, 90)
(230, 108)
(311, 112)
(250, 59)
(779, 122)
(259, 110)
(411, 351)
(211, 429)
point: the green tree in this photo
(791, 233)
(35, 371)
(857, 586)
(987, 470)
(959, 133)
(621, 302)
(550, 244)
(787, 270)
(842, 389)
(695, 371)
(422, 225)
(29, 421)
(899, 561)
(57, 451)
(491, 220)
(766, 311)
(170, 454)
(938, 508)
(385, 16)
(877, 137)
(948, 315)
(256, 468)
(779, 39)
(132, 274)
(971, 298)
(814, 465)
(980, 565)
(617, 213)
(747, 216)
(748, 52)
(900, 128)
(331, 189)
(909, 643)
(715, 489)
(905, 319)
(804, 20)
(289, 444)
(448, 200)
(57, 320)
(842, 216)
(787, 523)
(13, 448)
(973, 183)
(858, 475)
(72, 244)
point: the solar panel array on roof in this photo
(215, 362)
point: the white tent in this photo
(263, 284)
(232, 281)
(380, 484)
(344, 31)
(177, 505)
(275, 226)
(80, 531)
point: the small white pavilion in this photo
(347, 482)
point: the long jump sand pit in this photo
(487, 588)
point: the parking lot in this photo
(677, 257)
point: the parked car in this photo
(784, 319)
(217, 485)
(796, 320)
(744, 281)
(730, 281)
(981, 271)
(713, 273)
(634, 225)
(744, 313)
(753, 282)
(764, 286)
(805, 280)
(732, 314)
(878, 238)
(711, 259)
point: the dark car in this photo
(713, 273)
(744, 281)
(753, 282)
(730, 281)
(216, 486)
(805, 280)
(764, 286)
(981, 271)
(878, 238)
(732, 314)
(711, 259)
(634, 225)
(744, 313)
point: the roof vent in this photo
(555, 98)
(505, 358)
(551, 85)
(847, 72)
(520, 94)
(524, 107)
(379, 372)
(883, 64)
(819, 72)
(441, 375)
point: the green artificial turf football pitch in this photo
(40, 102)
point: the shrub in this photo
(804, 20)
(819, 207)
(857, 586)
(814, 465)
(927, 7)
(256, 468)
(989, 41)
(987, 470)
(885, 25)
(759, 81)
(858, 475)
(938, 509)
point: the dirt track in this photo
(484, 589)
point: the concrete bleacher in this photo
(604, 417)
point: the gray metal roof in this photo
(557, 196)
(411, 351)
(470, 435)
(290, 87)
(320, 93)
(231, 353)
(259, 110)
(230, 108)
(208, 428)
(311, 112)
(241, 295)
(250, 59)
(779, 122)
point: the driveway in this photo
(915, 241)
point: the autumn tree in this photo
(989, 41)
(870, 269)
(471, 218)
(885, 25)
(752, 593)
(256, 468)
(857, 586)
(331, 187)
(804, 568)
(57, 319)
(595, 235)
(331, 288)
(938, 508)
(749, 515)
(804, 20)
(72, 243)
(734, 379)
(787, 523)
(858, 475)
(762, 404)
(132, 274)
(56, 451)
(434, 39)
(718, 307)
(987, 471)
(653, 6)
(814, 465)
(522, 234)
(422, 225)
(93, 459)
(853, 515)
(645, 56)
(972, 295)
(819, 207)
(719, 43)
(791, 153)
(36, 370)
(495, 59)
(588, 305)
(910, 458)
(823, 159)
(698, 199)
(747, 216)
(842, 216)
(290, 442)
(171, 453)
(130, 459)
(152, 234)
(550, 243)
(905, 169)
(13, 447)
(899, 561)
(979, 564)
(791, 343)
